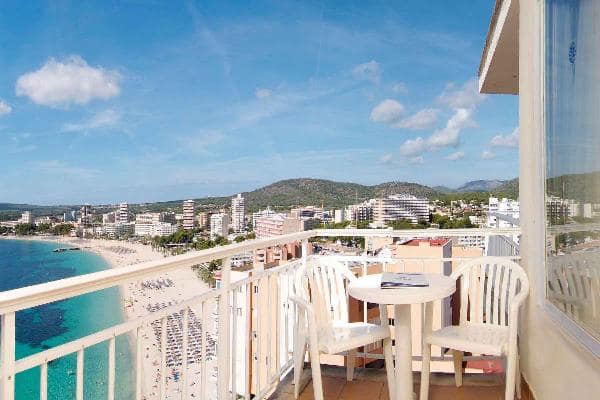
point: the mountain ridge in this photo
(301, 191)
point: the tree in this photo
(62, 229)
(25, 229)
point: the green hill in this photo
(292, 192)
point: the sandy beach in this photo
(141, 298)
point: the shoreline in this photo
(138, 299)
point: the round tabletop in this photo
(368, 288)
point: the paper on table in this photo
(391, 280)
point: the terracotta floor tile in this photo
(332, 387)
(361, 390)
(372, 385)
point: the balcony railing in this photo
(234, 341)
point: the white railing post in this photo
(7, 354)
(304, 253)
(224, 363)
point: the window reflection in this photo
(572, 92)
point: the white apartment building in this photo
(189, 209)
(123, 214)
(238, 214)
(116, 229)
(154, 229)
(471, 241)
(262, 213)
(219, 225)
(26, 218)
(148, 218)
(400, 206)
(505, 207)
(338, 216)
(362, 212)
(277, 224)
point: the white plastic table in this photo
(368, 288)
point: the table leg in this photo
(403, 339)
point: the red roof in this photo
(432, 242)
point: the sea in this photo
(24, 263)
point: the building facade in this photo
(189, 210)
(238, 214)
(400, 206)
(123, 213)
(219, 225)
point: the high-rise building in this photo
(86, 215)
(238, 213)
(123, 214)
(219, 225)
(202, 219)
(189, 209)
(400, 206)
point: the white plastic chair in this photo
(322, 324)
(491, 291)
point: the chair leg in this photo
(511, 374)
(389, 366)
(457, 356)
(299, 352)
(350, 362)
(518, 373)
(315, 365)
(425, 368)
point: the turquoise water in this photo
(24, 263)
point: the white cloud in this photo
(449, 135)
(262, 93)
(511, 141)
(72, 81)
(386, 158)
(387, 111)
(416, 160)
(459, 155)
(424, 119)
(487, 155)
(369, 71)
(413, 147)
(467, 96)
(399, 87)
(102, 119)
(4, 108)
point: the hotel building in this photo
(400, 206)
(189, 210)
(238, 214)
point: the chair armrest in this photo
(304, 305)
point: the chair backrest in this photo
(573, 282)
(489, 288)
(324, 286)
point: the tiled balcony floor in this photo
(370, 384)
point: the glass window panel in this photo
(572, 101)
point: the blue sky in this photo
(144, 101)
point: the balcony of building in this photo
(236, 340)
